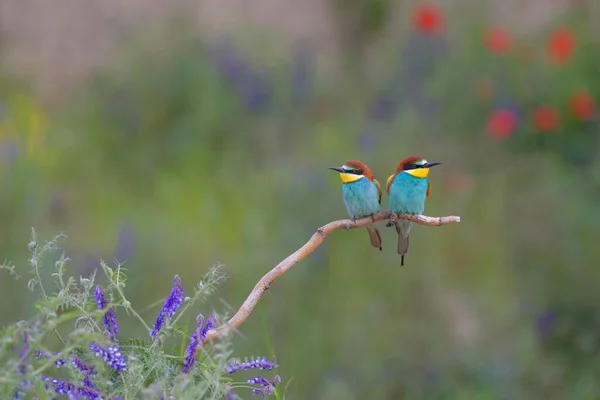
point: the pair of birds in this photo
(408, 189)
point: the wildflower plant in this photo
(73, 346)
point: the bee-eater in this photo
(362, 194)
(408, 189)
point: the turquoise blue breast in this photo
(408, 194)
(361, 198)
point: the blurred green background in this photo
(176, 135)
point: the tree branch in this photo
(315, 241)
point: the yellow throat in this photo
(348, 178)
(418, 172)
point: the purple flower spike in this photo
(255, 363)
(111, 355)
(22, 368)
(59, 386)
(172, 304)
(266, 387)
(197, 340)
(82, 367)
(74, 392)
(110, 320)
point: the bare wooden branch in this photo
(315, 241)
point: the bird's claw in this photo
(392, 220)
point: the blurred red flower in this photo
(545, 119)
(498, 41)
(582, 105)
(502, 123)
(561, 45)
(428, 19)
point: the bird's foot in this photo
(373, 218)
(349, 226)
(392, 220)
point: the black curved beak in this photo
(338, 169)
(431, 164)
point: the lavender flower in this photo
(266, 387)
(256, 363)
(111, 355)
(172, 303)
(545, 323)
(110, 320)
(197, 340)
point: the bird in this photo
(362, 195)
(408, 188)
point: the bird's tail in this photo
(403, 229)
(374, 236)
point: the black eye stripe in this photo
(353, 171)
(413, 166)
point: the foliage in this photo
(91, 360)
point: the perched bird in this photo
(362, 194)
(408, 189)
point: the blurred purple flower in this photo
(420, 57)
(172, 304)
(125, 246)
(111, 355)
(197, 339)
(407, 87)
(367, 140)
(57, 206)
(508, 103)
(266, 387)
(227, 62)
(90, 264)
(301, 76)
(255, 363)
(252, 86)
(9, 151)
(382, 108)
(255, 93)
(545, 323)
(110, 320)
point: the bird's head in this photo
(415, 166)
(352, 171)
